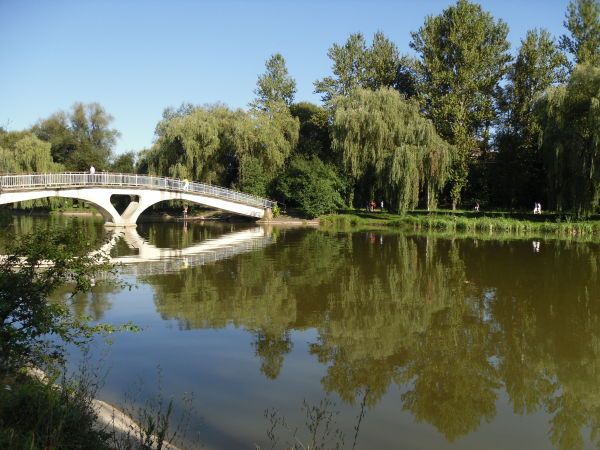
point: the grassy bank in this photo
(466, 222)
(34, 414)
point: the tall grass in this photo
(38, 414)
(450, 223)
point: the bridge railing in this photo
(15, 182)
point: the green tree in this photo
(583, 23)
(349, 63)
(385, 143)
(356, 65)
(275, 86)
(313, 138)
(28, 322)
(463, 54)
(538, 66)
(253, 178)
(185, 144)
(23, 152)
(570, 125)
(382, 63)
(80, 138)
(259, 143)
(217, 145)
(275, 136)
(312, 186)
(124, 163)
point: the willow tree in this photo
(437, 162)
(384, 140)
(184, 145)
(266, 140)
(243, 149)
(570, 139)
(22, 152)
(519, 176)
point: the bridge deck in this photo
(71, 180)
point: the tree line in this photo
(461, 121)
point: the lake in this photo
(391, 340)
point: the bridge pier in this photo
(268, 214)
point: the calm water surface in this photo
(419, 342)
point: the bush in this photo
(312, 186)
(253, 179)
(36, 414)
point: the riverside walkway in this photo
(144, 191)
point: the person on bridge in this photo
(92, 170)
(186, 184)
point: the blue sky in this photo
(137, 57)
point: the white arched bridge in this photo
(144, 191)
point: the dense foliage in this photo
(463, 56)
(79, 138)
(583, 23)
(388, 147)
(570, 120)
(519, 178)
(23, 152)
(218, 145)
(355, 65)
(312, 186)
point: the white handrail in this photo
(16, 182)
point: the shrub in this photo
(36, 414)
(312, 186)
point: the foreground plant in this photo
(33, 331)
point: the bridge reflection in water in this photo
(151, 260)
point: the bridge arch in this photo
(99, 202)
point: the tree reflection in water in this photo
(451, 322)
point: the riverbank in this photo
(446, 221)
(205, 215)
(38, 412)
